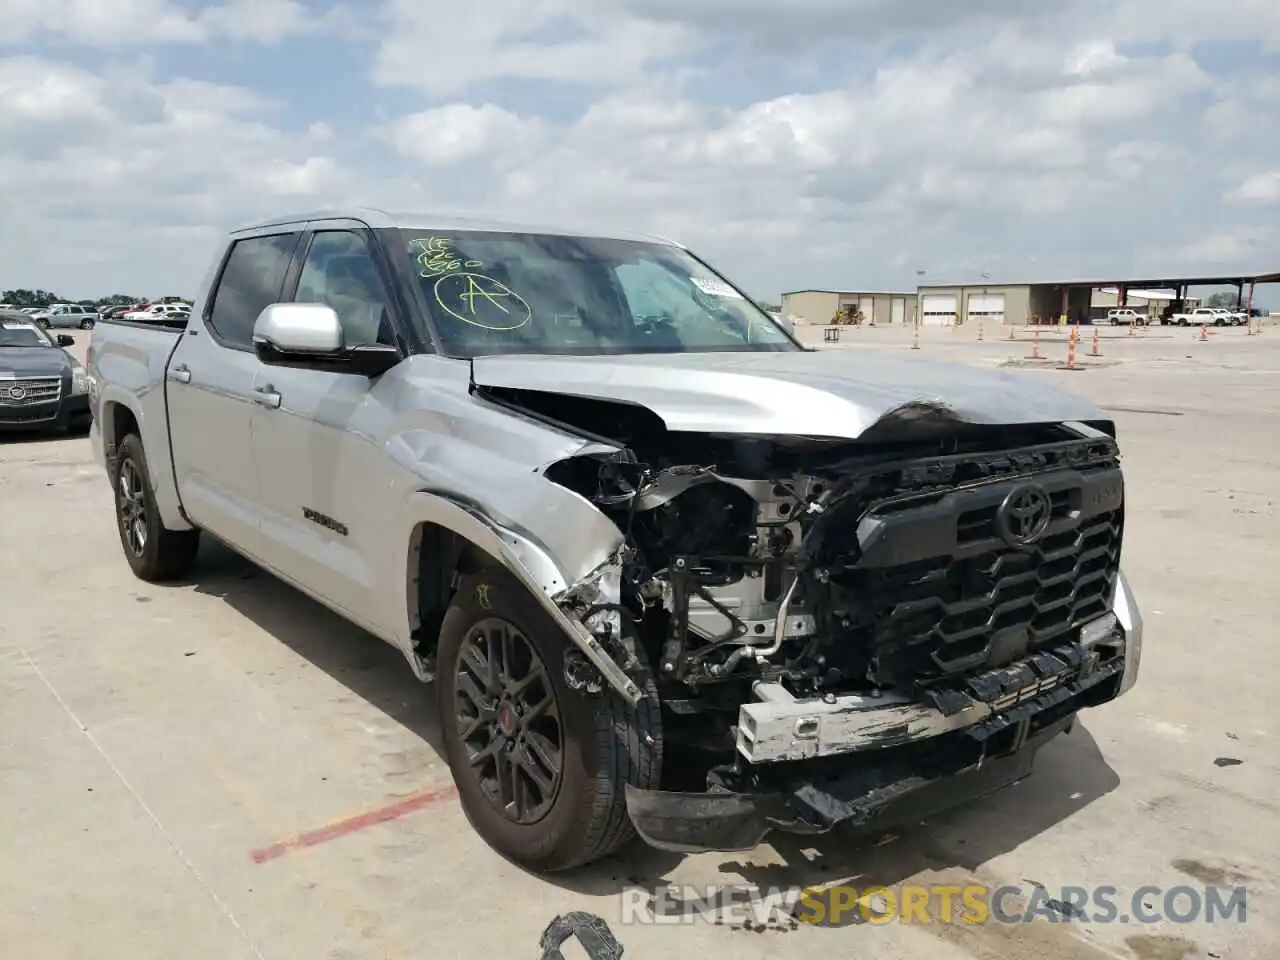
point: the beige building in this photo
(821, 306)
(946, 305)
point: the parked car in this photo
(116, 312)
(671, 571)
(1209, 317)
(1126, 316)
(41, 385)
(67, 315)
(158, 312)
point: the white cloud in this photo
(110, 23)
(1263, 188)
(819, 142)
(103, 177)
(459, 132)
(445, 48)
(1240, 247)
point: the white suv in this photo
(1126, 315)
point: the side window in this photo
(340, 271)
(251, 280)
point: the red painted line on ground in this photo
(341, 828)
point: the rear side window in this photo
(251, 280)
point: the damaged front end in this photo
(845, 631)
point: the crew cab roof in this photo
(382, 219)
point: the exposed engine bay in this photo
(831, 566)
(942, 588)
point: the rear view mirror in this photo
(65, 340)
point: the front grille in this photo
(934, 592)
(947, 615)
(29, 391)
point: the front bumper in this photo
(861, 760)
(68, 411)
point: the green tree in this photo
(29, 298)
(1222, 299)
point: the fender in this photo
(525, 559)
(155, 443)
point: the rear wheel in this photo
(541, 767)
(154, 553)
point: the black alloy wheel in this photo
(509, 719)
(132, 499)
(154, 552)
(542, 762)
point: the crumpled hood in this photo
(829, 393)
(32, 362)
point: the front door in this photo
(315, 445)
(210, 398)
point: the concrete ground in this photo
(226, 770)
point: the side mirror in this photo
(298, 328)
(309, 335)
(65, 340)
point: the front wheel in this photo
(541, 767)
(86, 324)
(155, 553)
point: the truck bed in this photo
(127, 361)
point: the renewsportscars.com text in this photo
(845, 904)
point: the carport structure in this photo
(1017, 303)
(1068, 296)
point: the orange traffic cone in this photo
(1071, 353)
(1035, 347)
(1094, 351)
(1204, 333)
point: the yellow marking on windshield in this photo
(493, 294)
(482, 302)
(436, 257)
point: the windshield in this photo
(503, 293)
(22, 335)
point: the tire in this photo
(86, 324)
(159, 555)
(604, 744)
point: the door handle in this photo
(267, 396)
(180, 373)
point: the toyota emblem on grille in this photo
(1024, 515)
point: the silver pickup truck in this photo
(667, 570)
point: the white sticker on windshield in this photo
(716, 288)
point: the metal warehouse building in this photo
(946, 305)
(820, 306)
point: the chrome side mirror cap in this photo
(298, 328)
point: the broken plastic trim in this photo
(529, 563)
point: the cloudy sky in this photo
(804, 143)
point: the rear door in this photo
(210, 392)
(317, 441)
